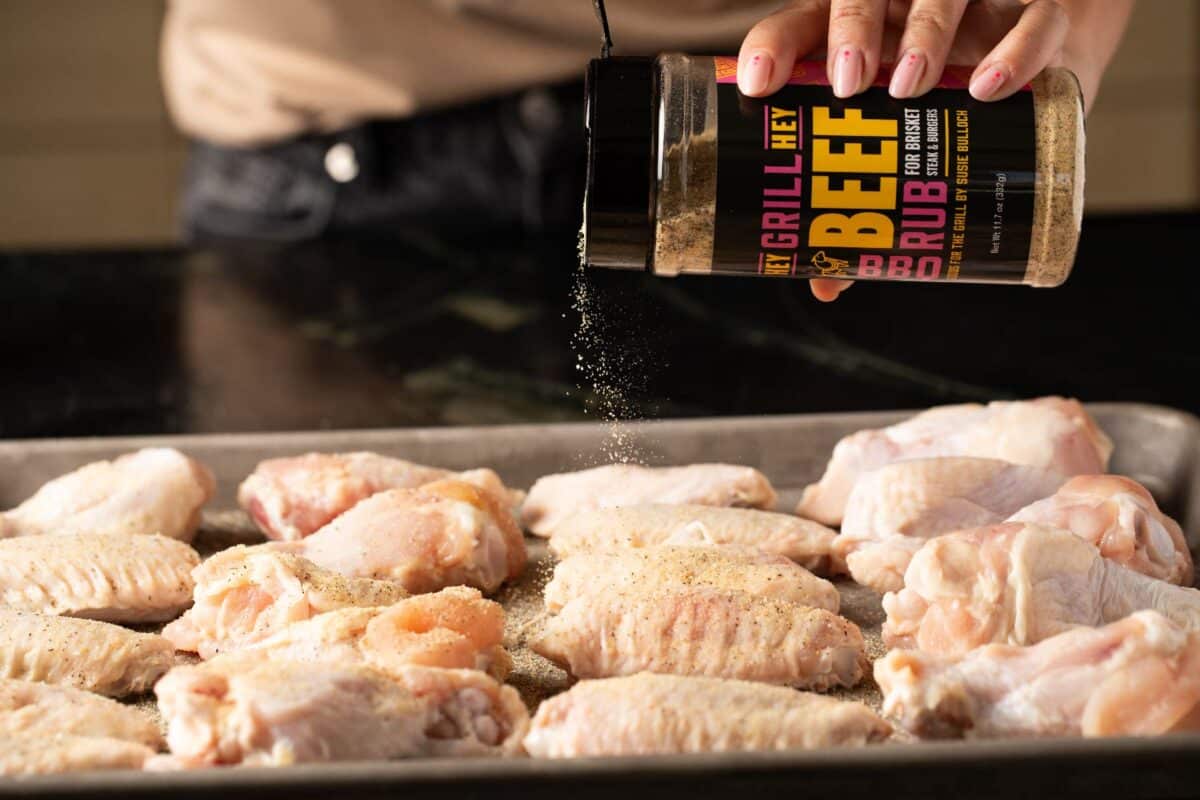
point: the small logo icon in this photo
(830, 267)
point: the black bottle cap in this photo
(620, 133)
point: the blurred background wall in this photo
(88, 156)
(87, 153)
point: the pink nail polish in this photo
(985, 85)
(847, 72)
(907, 74)
(755, 73)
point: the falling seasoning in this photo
(689, 176)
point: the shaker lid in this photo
(620, 134)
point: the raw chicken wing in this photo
(443, 534)
(649, 714)
(24, 756)
(803, 541)
(37, 710)
(745, 570)
(290, 498)
(239, 710)
(470, 713)
(245, 709)
(245, 594)
(453, 628)
(1018, 583)
(157, 490)
(1120, 517)
(1050, 433)
(81, 653)
(1136, 677)
(696, 630)
(921, 499)
(107, 576)
(554, 498)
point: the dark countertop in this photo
(456, 330)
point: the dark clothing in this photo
(516, 161)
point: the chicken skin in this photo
(745, 570)
(1139, 676)
(894, 509)
(239, 710)
(455, 628)
(896, 504)
(803, 541)
(648, 714)
(245, 594)
(446, 533)
(245, 709)
(156, 490)
(1120, 517)
(1018, 583)
(290, 498)
(554, 498)
(21, 756)
(697, 630)
(80, 653)
(470, 712)
(37, 710)
(107, 576)
(1051, 433)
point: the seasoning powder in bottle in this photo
(686, 175)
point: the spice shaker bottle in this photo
(688, 176)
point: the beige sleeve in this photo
(242, 73)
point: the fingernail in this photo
(847, 71)
(988, 81)
(755, 73)
(907, 74)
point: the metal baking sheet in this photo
(1155, 445)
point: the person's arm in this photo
(1096, 27)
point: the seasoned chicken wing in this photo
(696, 630)
(746, 570)
(290, 498)
(1050, 433)
(245, 594)
(454, 628)
(925, 498)
(245, 709)
(554, 498)
(803, 541)
(1018, 583)
(106, 576)
(156, 490)
(648, 714)
(443, 534)
(81, 653)
(48, 756)
(1139, 676)
(1120, 517)
(40, 711)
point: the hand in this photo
(1007, 41)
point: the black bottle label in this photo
(935, 188)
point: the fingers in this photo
(827, 290)
(771, 48)
(1029, 47)
(928, 34)
(855, 39)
